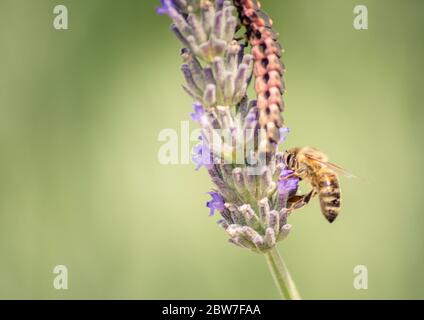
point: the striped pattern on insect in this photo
(268, 69)
(312, 165)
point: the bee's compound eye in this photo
(289, 160)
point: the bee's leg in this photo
(296, 174)
(297, 202)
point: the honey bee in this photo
(312, 165)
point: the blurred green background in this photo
(80, 183)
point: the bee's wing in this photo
(333, 167)
(340, 170)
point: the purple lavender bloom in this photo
(287, 185)
(201, 155)
(217, 72)
(251, 117)
(284, 132)
(217, 203)
(164, 9)
(198, 113)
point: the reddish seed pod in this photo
(268, 69)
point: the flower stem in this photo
(284, 282)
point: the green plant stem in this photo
(284, 282)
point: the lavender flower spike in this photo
(253, 191)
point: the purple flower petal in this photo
(201, 155)
(164, 9)
(251, 117)
(198, 113)
(216, 203)
(284, 132)
(287, 185)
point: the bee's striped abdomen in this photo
(268, 69)
(329, 194)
